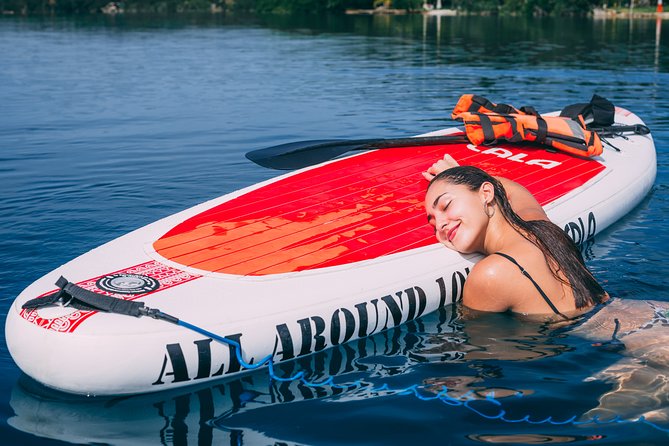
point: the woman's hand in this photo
(446, 163)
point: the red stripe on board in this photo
(351, 210)
(166, 276)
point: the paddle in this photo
(619, 130)
(295, 155)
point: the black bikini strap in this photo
(536, 285)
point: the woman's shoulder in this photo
(491, 285)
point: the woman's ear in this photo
(487, 192)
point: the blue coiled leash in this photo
(70, 294)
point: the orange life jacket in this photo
(487, 122)
(557, 132)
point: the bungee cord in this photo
(71, 294)
(416, 390)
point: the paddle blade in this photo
(296, 155)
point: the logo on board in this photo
(312, 333)
(517, 157)
(123, 283)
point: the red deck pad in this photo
(355, 209)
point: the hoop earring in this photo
(486, 206)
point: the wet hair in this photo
(560, 251)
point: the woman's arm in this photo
(522, 201)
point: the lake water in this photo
(110, 123)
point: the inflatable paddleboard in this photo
(210, 413)
(296, 264)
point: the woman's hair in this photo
(560, 251)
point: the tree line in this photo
(63, 7)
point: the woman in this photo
(531, 265)
(474, 212)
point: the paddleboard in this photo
(294, 265)
(209, 413)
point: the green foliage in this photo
(490, 6)
(409, 5)
(548, 7)
(298, 6)
(528, 7)
(573, 6)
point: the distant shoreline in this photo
(597, 13)
(608, 14)
(117, 8)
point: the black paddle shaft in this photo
(296, 155)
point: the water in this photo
(108, 124)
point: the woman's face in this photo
(457, 215)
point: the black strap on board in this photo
(80, 298)
(599, 112)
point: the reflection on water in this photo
(638, 330)
(532, 438)
(466, 367)
(210, 414)
(112, 123)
